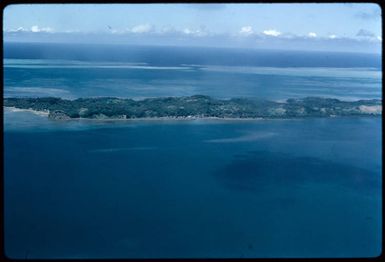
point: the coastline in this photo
(172, 119)
(37, 112)
(162, 118)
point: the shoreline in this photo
(36, 112)
(162, 118)
(46, 113)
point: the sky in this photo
(331, 27)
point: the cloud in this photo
(20, 29)
(115, 31)
(164, 31)
(245, 36)
(36, 29)
(196, 32)
(167, 30)
(271, 32)
(365, 33)
(33, 29)
(246, 31)
(312, 34)
(368, 35)
(140, 29)
(187, 31)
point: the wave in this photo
(118, 149)
(15, 110)
(362, 72)
(243, 138)
(101, 66)
(62, 61)
(35, 91)
(58, 64)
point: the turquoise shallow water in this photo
(72, 79)
(267, 188)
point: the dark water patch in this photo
(259, 170)
(146, 190)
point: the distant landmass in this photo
(197, 106)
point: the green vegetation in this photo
(197, 106)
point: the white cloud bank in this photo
(33, 29)
(37, 29)
(245, 36)
(149, 29)
(201, 32)
(246, 31)
(20, 29)
(312, 34)
(271, 32)
(140, 29)
(194, 32)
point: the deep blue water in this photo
(199, 189)
(271, 188)
(175, 56)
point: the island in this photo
(192, 107)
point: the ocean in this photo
(190, 188)
(72, 71)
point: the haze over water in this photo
(193, 189)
